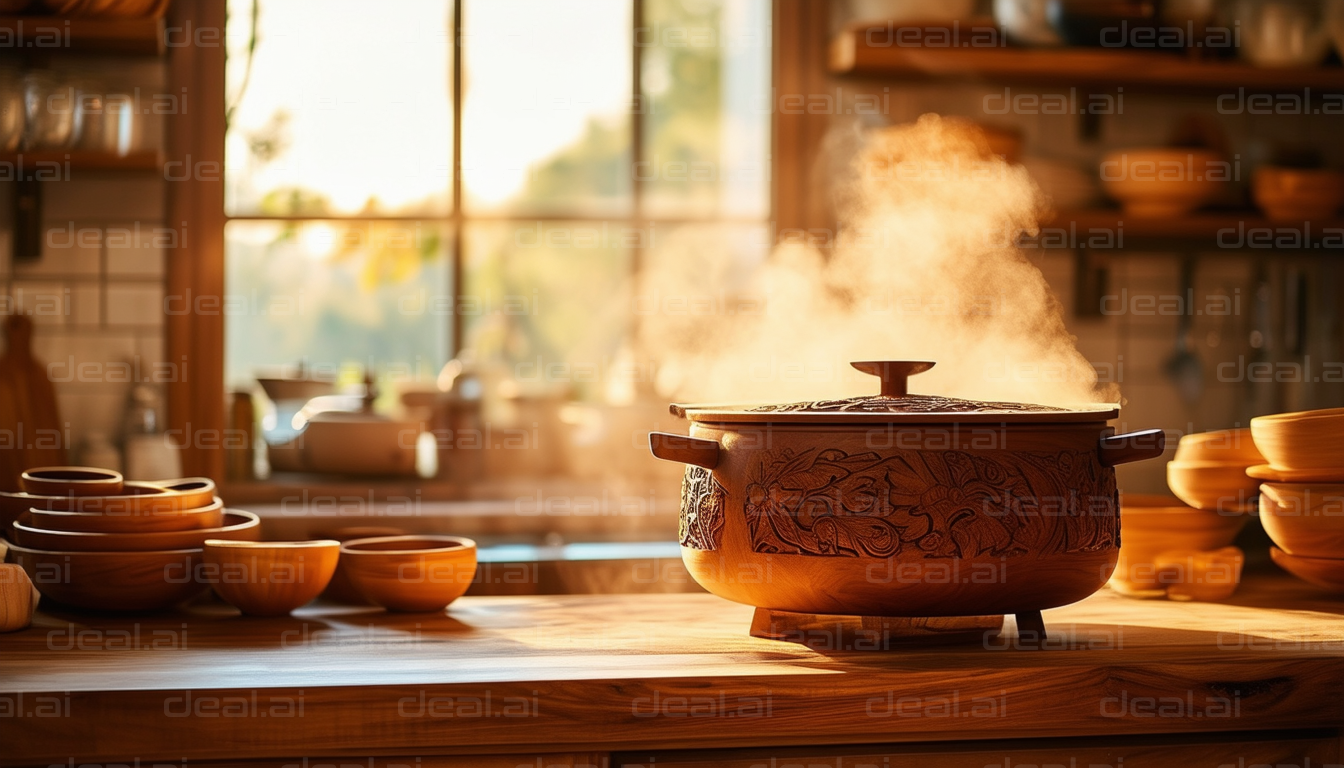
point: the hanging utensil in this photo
(1184, 367)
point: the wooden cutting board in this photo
(31, 431)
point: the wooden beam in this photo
(196, 267)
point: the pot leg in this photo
(1030, 630)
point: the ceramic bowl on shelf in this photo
(71, 481)
(1163, 182)
(1323, 572)
(1304, 519)
(1025, 22)
(1227, 446)
(112, 581)
(1303, 441)
(237, 525)
(208, 516)
(1160, 527)
(1105, 23)
(269, 578)
(1213, 485)
(1295, 194)
(1281, 33)
(415, 573)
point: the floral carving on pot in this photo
(904, 404)
(940, 504)
(702, 510)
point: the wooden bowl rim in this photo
(217, 503)
(1275, 552)
(250, 520)
(453, 544)
(276, 545)
(1277, 419)
(71, 475)
(72, 554)
(1199, 464)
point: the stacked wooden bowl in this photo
(1302, 504)
(88, 539)
(1209, 471)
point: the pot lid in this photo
(895, 404)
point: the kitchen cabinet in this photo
(675, 680)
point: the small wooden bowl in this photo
(415, 573)
(210, 516)
(112, 581)
(1153, 526)
(269, 578)
(1226, 446)
(1321, 571)
(340, 589)
(1301, 441)
(1213, 485)
(71, 481)
(237, 526)
(1305, 520)
(18, 598)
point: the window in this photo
(398, 195)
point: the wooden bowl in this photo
(418, 573)
(1161, 182)
(112, 581)
(209, 516)
(71, 481)
(1213, 485)
(1226, 446)
(1301, 441)
(1321, 571)
(1303, 519)
(340, 589)
(18, 598)
(1156, 526)
(135, 499)
(269, 578)
(1297, 194)
(237, 526)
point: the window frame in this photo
(197, 402)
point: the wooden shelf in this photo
(81, 160)
(1207, 230)
(871, 51)
(43, 34)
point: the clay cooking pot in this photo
(899, 504)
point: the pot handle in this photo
(687, 450)
(1132, 446)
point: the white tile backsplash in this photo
(68, 249)
(135, 304)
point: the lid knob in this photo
(893, 373)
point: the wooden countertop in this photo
(644, 672)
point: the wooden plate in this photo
(238, 526)
(1270, 473)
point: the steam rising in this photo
(924, 268)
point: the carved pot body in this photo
(899, 504)
(957, 520)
